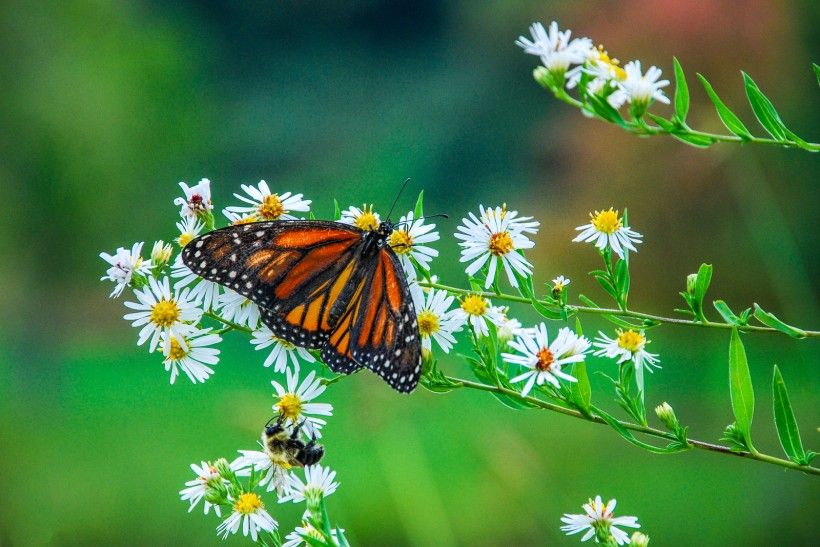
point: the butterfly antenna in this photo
(403, 186)
(440, 215)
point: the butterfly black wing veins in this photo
(321, 285)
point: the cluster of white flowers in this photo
(593, 67)
(172, 307)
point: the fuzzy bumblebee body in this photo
(286, 449)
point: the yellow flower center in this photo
(474, 305)
(607, 222)
(176, 351)
(290, 406)
(631, 340)
(401, 242)
(501, 243)
(271, 207)
(428, 323)
(185, 238)
(367, 220)
(603, 58)
(248, 503)
(545, 359)
(245, 220)
(165, 313)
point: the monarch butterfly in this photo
(321, 285)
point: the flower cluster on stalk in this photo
(569, 63)
(184, 318)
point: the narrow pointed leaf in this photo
(764, 110)
(785, 422)
(698, 141)
(729, 118)
(603, 109)
(664, 124)
(770, 320)
(581, 390)
(726, 312)
(740, 388)
(337, 212)
(626, 434)
(681, 93)
(419, 210)
(816, 72)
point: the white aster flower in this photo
(124, 264)
(294, 402)
(556, 50)
(158, 311)
(603, 70)
(190, 352)
(282, 350)
(477, 310)
(296, 538)
(206, 476)
(639, 89)
(436, 320)
(197, 200)
(606, 228)
(364, 219)
(544, 360)
(248, 512)
(597, 515)
(237, 308)
(496, 237)
(510, 327)
(628, 345)
(189, 229)
(265, 205)
(408, 241)
(559, 283)
(275, 476)
(319, 483)
(204, 291)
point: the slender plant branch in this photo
(459, 382)
(613, 311)
(230, 325)
(644, 128)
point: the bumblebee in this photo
(286, 449)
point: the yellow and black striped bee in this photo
(286, 449)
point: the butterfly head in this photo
(385, 229)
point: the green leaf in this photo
(525, 287)
(729, 118)
(545, 311)
(681, 93)
(816, 72)
(726, 312)
(602, 108)
(337, 212)
(770, 320)
(699, 141)
(418, 212)
(664, 124)
(611, 318)
(764, 110)
(626, 434)
(785, 422)
(740, 389)
(581, 390)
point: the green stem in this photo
(612, 311)
(652, 130)
(702, 445)
(230, 324)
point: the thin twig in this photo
(613, 311)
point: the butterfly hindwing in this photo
(385, 335)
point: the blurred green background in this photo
(106, 105)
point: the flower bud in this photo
(161, 254)
(224, 468)
(638, 540)
(216, 492)
(543, 77)
(691, 281)
(667, 415)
